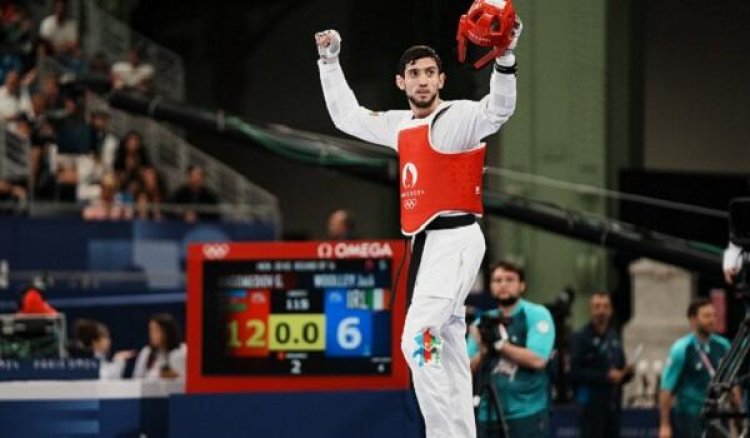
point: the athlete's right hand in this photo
(329, 45)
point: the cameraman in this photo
(510, 347)
(598, 370)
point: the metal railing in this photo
(172, 155)
(101, 32)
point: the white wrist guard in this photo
(330, 52)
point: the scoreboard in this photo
(296, 316)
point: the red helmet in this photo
(486, 25)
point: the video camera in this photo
(489, 330)
(739, 234)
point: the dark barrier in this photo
(362, 414)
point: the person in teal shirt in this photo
(514, 360)
(693, 360)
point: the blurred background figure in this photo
(164, 356)
(693, 360)
(195, 194)
(92, 339)
(598, 370)
(133, 73)
(341, 225)
(60, 30)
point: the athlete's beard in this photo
(426, 104)
(508, 302)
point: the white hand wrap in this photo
(330, 52)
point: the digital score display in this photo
(296, 316)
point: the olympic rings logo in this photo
(216, 251)
(410, 204)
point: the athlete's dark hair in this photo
(414, 53)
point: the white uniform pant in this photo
(433, 340)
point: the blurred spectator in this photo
(36, 59)
(34, 106)
(60, 30)
(99, 65)
(105, 143)
(15, 26)
(10, 96)
(93, 340)
(13, 194)
(151, 195)
(133, 73)
(130, 158)
(164, 356)
(89, 172)
(341, 225)
(108, 206)
(598, 370)
(51, 91)
(9, 62)
(195, 194)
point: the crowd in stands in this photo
(74, 156)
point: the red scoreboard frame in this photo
(394, 250)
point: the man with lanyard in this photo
(692, 362)
(441, 161)
(598, 370)
(516, 364)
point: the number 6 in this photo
(348, 334)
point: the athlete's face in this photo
(422, 82)
(704, 320)
(506, 285)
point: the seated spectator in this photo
(341, 225)
(133, 73)
(11, 195)
(10, 96)
(105, 143)
(60, 30)
(43, 159)
(34, 106)
(55, 101)
(15, 26)
(108, 206)
(164, 356)
(151, 194)
(93, 340)
(35, 62)
(9, 62)
(130, 158)
(99, 65)
(194, 194)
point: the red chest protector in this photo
(434, 182)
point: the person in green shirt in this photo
(515, 360)
(693, 360)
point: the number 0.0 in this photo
(310, 333)
(348, 334)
